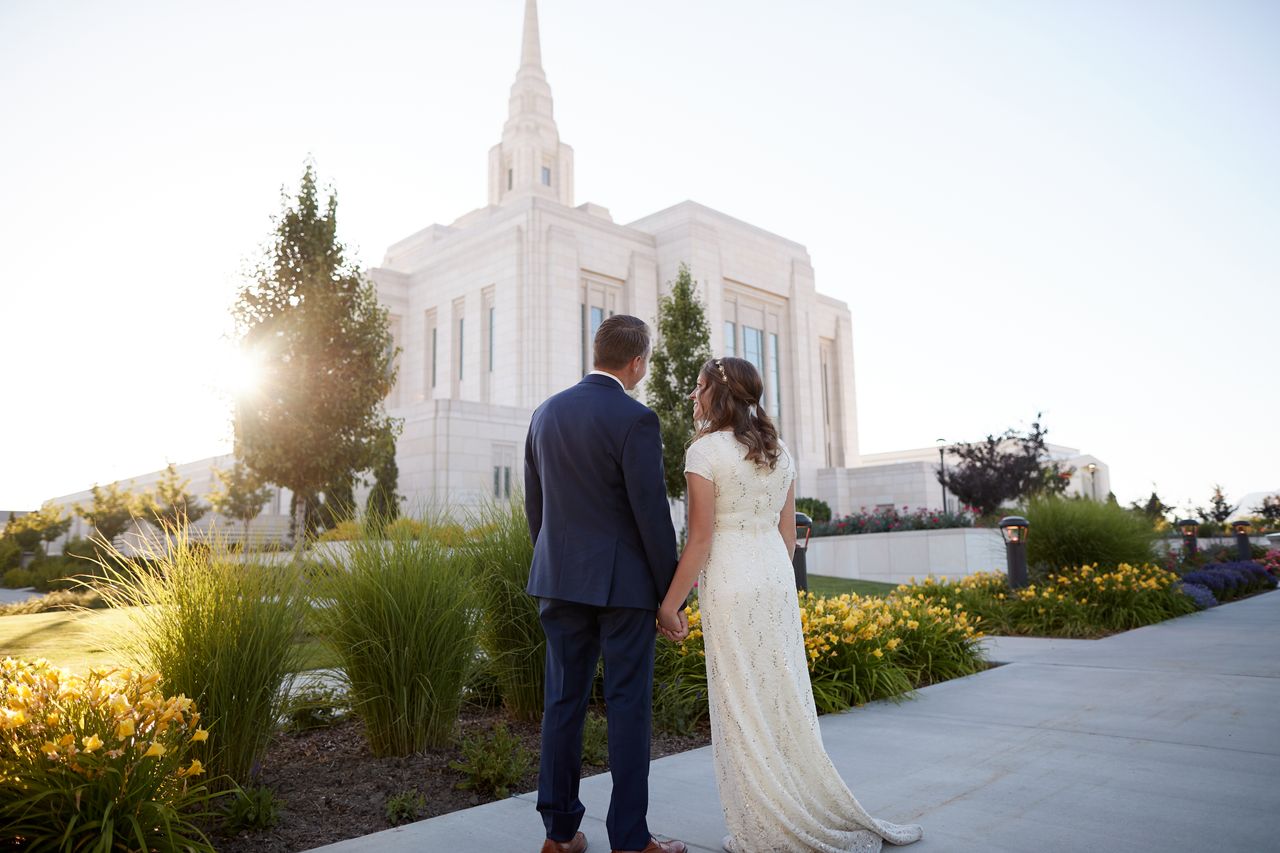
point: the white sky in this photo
(1063, 206)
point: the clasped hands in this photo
(673, 624)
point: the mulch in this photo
(330, 787)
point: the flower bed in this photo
(1085, 602)
(860, 648)
(890, 519)
(86, 760)
(1226, 581)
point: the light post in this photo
(1014, 530)
(1092, 468)
(1188, 528)
(942, 463)
(1243, 549)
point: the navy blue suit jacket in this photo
(597, 499)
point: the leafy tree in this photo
(50, 521)
(313, 323)
(23, 530)
(683, 346)
(239, 495)
(111, 511)
(1154, 509)
(170, 505)
(338, 503)
(1269, 508)
(1004, 468)
(383, 503)
(1220, 509)
(816, 509)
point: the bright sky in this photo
(1071, 207)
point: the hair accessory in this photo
(720, 367)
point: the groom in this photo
(604, 554)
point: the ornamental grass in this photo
(217, 629)
(499, 553)
(98, 763)
(860, 648)
(398, 614)
(1081, 603)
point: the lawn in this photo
(81, 639)
(829, 586)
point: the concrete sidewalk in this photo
(1158, 740)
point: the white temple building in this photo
(495, 312)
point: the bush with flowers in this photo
(890, 519)
(99, 762)
(1085, 602)
(860, 648)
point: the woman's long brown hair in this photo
(734, 392)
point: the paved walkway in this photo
(1159, 740)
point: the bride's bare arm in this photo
(697, 547)
(787, 521)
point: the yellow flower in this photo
(124, 728)
(878, 653)
(893, 643)
(67, 740)
(14, 717)
(157, 749)
(53, 718)
(913, 624)
(49, 748)
(91, 742)
(195, 769)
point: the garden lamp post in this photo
(1188, 528)
(1014, 530)
(1092, 468)
(942, 463)
(1243, 548)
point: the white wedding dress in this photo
(778, 788)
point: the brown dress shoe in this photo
(577, 845)
(656, 846)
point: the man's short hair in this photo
(619, 339)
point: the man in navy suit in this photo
(604, 554)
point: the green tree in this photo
(313, 324)
(24, 530)
(111, 511)
(51, 521)
(239, 495)
(170, 505)
(1269, 508)
(1004, 468)
(1154, 508)
(383, 503)
(683, 345)
(1219, 510)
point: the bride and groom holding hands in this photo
(605, 566)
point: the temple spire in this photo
(531, 47)
(531, 160)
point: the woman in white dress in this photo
(778, 788)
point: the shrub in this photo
(859, 649)
(510, 630)
(595, 741)
(1085, 602)
(891, 520)
(10, 554)
(1271, 563)
(343, 531)
(397, 613)
(253, 809)
(814, 508)
(1228, 581)
(218, 630)
(1068, 532)
(493, 763)
(103, 762)
(1201, 595)
(404, 807)
(314, 707)
(18, 579)
(85, 599)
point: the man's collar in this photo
(610, 375)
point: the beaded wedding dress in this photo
(778, 788)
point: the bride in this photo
(778, 788)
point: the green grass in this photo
(81, 639)
(829, 586)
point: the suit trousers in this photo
(577, 635)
